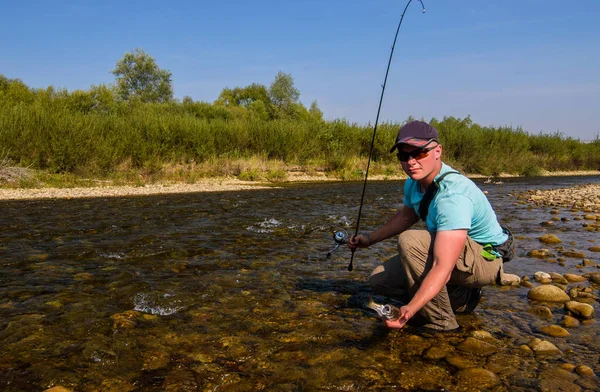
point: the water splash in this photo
(162, 305)
(266, 226)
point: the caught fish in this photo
(388, 311)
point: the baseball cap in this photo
(416, 134)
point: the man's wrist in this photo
(368, 235)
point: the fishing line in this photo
(362, 198)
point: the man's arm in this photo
(447, 247)
(398, 223)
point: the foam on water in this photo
(162, 305)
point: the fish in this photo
(387, 311)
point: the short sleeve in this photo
(453, 212)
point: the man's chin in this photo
(416, 176)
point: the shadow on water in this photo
(232, 291)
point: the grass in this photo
(74, 139)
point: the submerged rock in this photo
(477, 347)
(476, 379)
(543, 312)
(555, 331)
(557, 379)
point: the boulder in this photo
(548, 293)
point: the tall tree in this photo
(282, 91)
(139, 77)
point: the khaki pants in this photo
(401, 276)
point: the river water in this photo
(232, 291)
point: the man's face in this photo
(418, 163)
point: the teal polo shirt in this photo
(458, 204)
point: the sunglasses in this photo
(404, 156)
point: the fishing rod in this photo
(341, 237)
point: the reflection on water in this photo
(232, 291)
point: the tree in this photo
(139, 77)
(282, 91)
(315, 111)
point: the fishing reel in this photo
(340, 238)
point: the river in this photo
(232, 291)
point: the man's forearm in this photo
(400, 222)
(433, 283)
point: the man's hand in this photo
(406, 314)
(360, 241)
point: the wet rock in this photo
(510, 280)
(589, 217)
(594, 249)
(549, 239)
(588, 263)
(539, 253)
(482, 335)
(420, 377)
(574, 254)
(558, 278)
(574, 278)
(543, 347)
(477, 347)
(588, 383)
(540, 275)
(415, 345)
(557, 379)
(569, 367)
(58, 388)
(595, 277)
(180, 380)
(570, 321)
(155, 359)
(543, 312)
(527, 284)
(504, 364)
(525, 348)
(476, 379)
(580, 309)
(460, 362)
(125, 319)
(439, 352)
(585, 371)
(554, 331)
(585, 296)
(547, 293)
(573, 292)
(117, 385)
(83, 276)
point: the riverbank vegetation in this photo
(136, 132)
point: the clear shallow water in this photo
(232, 291)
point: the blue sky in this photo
(528, 63)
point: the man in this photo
(439, 270)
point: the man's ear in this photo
(438, 151)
